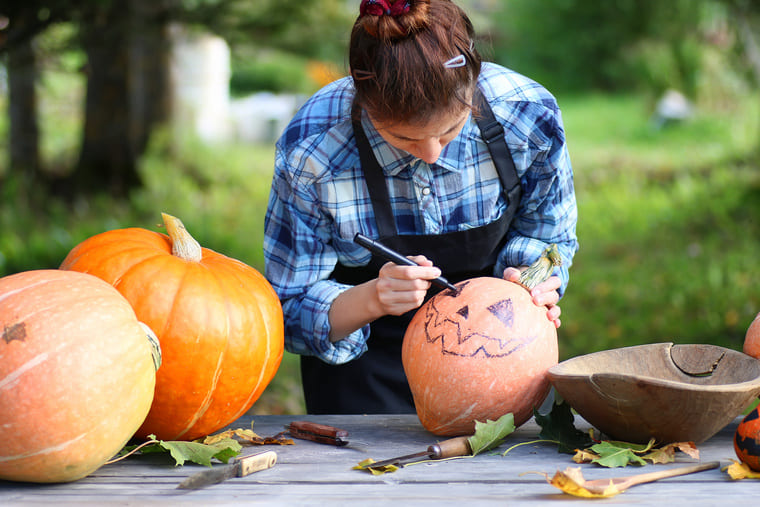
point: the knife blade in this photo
(240, 468)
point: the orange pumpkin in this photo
(752, 339)
(76, 375)
(477, 354)
(747, 440)
(218, 320)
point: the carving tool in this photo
(451, 448)
(395, 257)
(316, 432)
(240, 468)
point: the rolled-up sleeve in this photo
(548, 211)
(299, 261)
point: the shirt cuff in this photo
(524, 251)
(318, 300)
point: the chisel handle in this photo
(459, 446)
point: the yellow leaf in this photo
(584, 456)
(739, 471)
(571, 481)
(367, 465)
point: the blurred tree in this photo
(24, 20)
(127, 50)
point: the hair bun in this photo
(384, 7)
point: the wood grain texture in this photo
(309, 473)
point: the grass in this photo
(668, 222)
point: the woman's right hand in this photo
(402, 288)
(395, 291)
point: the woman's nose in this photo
(429, 149)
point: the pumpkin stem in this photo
(184, 245)
(540, 270)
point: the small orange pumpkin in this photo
(752, 338)
(747, 440)
(477, 354)
(76, 375)
(218, 320)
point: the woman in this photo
(459, 165)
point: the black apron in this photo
(375, 382)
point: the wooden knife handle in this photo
(459, 446)
(316, 432)
(256, 462)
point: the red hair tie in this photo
(383, 8)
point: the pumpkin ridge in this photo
(206, 403)
(261, 318)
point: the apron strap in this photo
(493, 134)
(374, 178)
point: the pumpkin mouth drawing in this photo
(453, 332)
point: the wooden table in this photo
(308, 473)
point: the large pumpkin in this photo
(76, 375)
(752, 338)
(478, 353)
(218, 320)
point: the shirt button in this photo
(426, 191)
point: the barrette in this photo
(457, 61)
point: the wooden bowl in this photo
(674, 393)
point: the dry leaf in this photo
(249, 437)
(571, 481)
(737, 471)
(584, 456)
(366, 465)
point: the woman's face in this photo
(424, 141)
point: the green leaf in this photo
(491, 434)
(558, 426)
(195, 452)
(617, 454)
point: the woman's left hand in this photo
(544, 294)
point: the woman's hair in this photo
(412, 60)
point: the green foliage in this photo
(559, 426)
(577, 45)
(668, 228)
(270, 71)
(490, 434)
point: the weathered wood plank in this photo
(315, 474)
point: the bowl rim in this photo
(555, 372)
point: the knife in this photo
(240, 468)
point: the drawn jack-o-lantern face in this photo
(474, 328)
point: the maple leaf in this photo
(182, 451)
(491, 434)
(615, 454)
(558, 426)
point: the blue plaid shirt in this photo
(319, 199)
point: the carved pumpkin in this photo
(747, 440)
(76, 375)
(752, 339)
(218, 320)
(477, 354)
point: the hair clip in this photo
(457, 61)
(360, 75)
